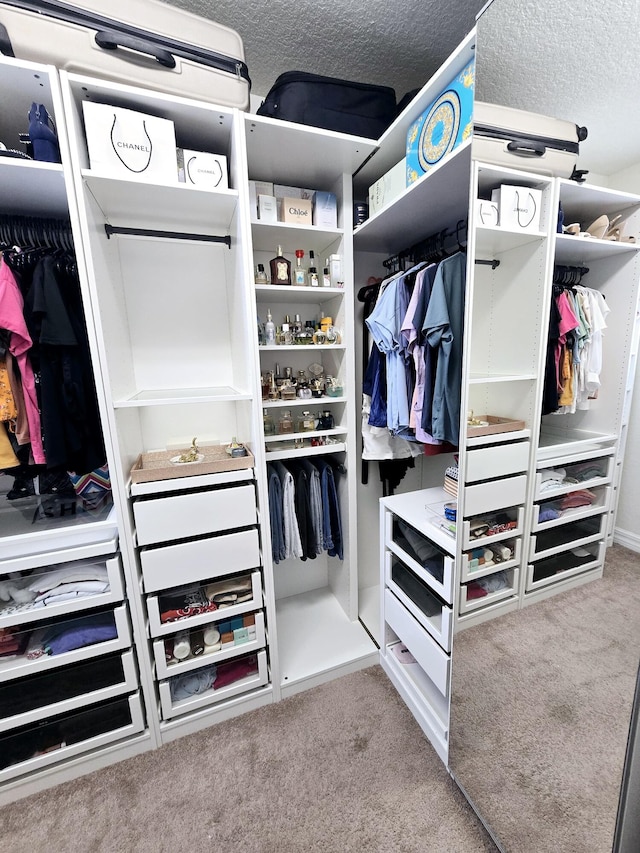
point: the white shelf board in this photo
(308, 401)
(498, 438)
(300, 347)
(286, 294)
(267, 236)
(315, 637)
(493, 240)
(181, 396)
(369, 610)
(433, 202)
(580, 250)
(134, 202)
(297, 453)
(300, 155)
(32, 188)
(557, 444)
(393, 142)
(315, 434)
(486, 378)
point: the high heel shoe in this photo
(43, 135)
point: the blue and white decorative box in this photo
(445, 123)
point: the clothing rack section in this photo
(304, 508)
(31, 232)
(436, 247)
(567, 276)
(166, 235)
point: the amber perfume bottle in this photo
(280, 269)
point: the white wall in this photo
(628, 517)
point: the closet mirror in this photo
(542, 696)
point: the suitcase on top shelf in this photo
(523, 140)
(140, 42)
(361, 109)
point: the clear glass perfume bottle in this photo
(299, 270)
(285, 424)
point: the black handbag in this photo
(360, 109)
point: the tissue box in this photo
(325, 210)
(446, 123)
(297, 210)
(519, 207)
(125, 143)
(201, 169)
(388, 187)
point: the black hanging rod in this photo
(434, 248)
(168, 235)
(493, 262)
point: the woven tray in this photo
(495, 425)
(157, 465)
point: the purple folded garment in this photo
(80, 632)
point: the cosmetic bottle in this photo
(269, 330)
(261, 276)
(268, 424)
(299, 271)
(312, 276)
(285, 424)
(335, 271)
(306, 422)
(280, 269)
(326, 280)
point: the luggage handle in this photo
(531, 150)
(111, 41)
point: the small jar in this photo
(306, 422)
(285, 424)
(268, 424)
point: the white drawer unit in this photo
(186, 562)
(435, 616)
(471, 570)
(486, 463)
(511, 525)
(197, 513)
(158, 628)
(496, 494)
(428, 561)
(564, 566)
(427, 652)
(174, 708)
(167, 670)
(596, 505)
(69, 735)
(23, 666)
(562, 479)
(569, 536)
(121, 678)
(24, 614)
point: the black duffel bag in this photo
(360, 109)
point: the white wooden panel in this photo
(244, 685)
(186, 562)
(485, 497)
(194, 514)
(163, 629)
(431, 657)
(488, 462)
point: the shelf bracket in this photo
(492, 262)
(167, 235)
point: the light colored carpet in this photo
(540, 713)
(343, 767)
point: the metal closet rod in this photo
(167, 235)
(434, 246)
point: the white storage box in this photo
(325, 210)
(126, 143)
(518, 207)
(392, 184)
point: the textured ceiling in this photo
(573, 61)
(371, 41)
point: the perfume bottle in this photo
(280, 269)
(306, 422)
(261, 276)
(312, 275)
(326, 279)
(299, 271)
(285, 424)
(268, 424)
(269, 329)
(325, 420)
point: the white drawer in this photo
(22, 666)
(602, 465)
(439, 623)
(128, 683)
(163, 629)
(514, 513)
(497, 494)
(431, 657)
(471, 574)
(210, 697)
(187, 562)
(467, 605)
(572, 535)
(443, 588)
(38, 762)
(563, 566)
(498, 461)
(194, 514)
(600, 505)
(164, 670)
(26, 614)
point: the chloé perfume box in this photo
(201, 169)
(127, 143)
(296, 210)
